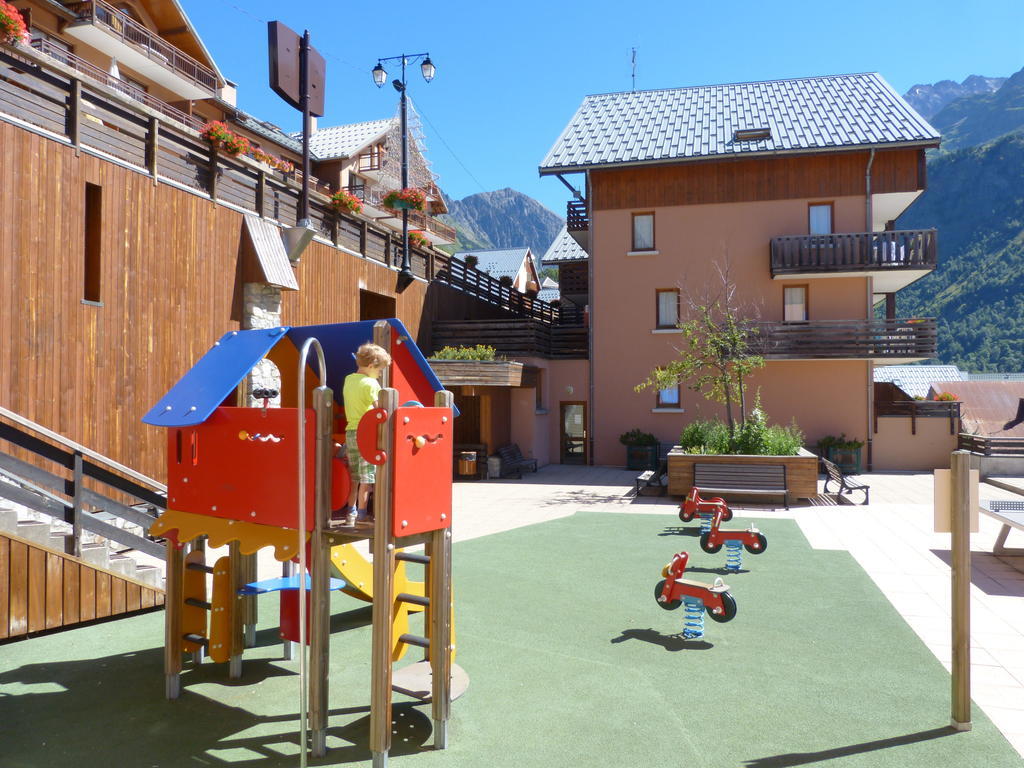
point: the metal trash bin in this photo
(493, 467)
(467, 463)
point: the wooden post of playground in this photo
(960, 547)
(172, 620)
(320, 562)
(238, 573)
(438, 588)
(383, 588)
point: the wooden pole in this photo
(960, 519)
(237, 570)
(320, 564)
(383, 587)
(172, 620)
(438, 588)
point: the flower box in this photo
(801, 471)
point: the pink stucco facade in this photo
(693, 243)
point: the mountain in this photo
(929, 99)
(976, 200)
(504, 218)
(975, 119)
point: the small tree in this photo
(718, 354)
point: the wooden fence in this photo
(844, 339)
(855, 251)
(514, 337)
(991, 446)
(917, 409)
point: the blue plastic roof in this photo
(203, 388)
(209, 381)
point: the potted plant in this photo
(472, 261)
(843, 452)
(418, 239)
(946, 397)
(343, 200)
(12, 25)
(641, 449)
(222, 137)
(409, 197)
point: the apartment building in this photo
(787, 191)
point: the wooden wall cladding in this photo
(825, 175)
(41, 589)
(170, 286)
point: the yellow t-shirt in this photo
(360, 395)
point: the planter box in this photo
(801, 471)
(483, 373)
(641, 457)
(847, 459)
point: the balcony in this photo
(577, 222)
(109, 30)
(93, 72)
(514, 337)
(436, 231)
(893, 258)
(881, 341)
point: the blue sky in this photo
(510, 75)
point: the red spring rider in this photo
(693, 505)
(674, 590)
(752, 539)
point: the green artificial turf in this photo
(571, 661)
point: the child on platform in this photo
(360, 395)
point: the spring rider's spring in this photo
(733, 555)
(693, 618)
(705, 521)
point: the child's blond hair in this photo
(371, 354)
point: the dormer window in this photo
(752, 134)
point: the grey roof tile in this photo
(564, 248)
(498, 261)
(343, 140)
(683, 123)
(916, 379)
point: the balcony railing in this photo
(902, 339)
(154, 47)
(371, 161)
(420, 220)
(576, 219)
(991, 446)
(515, 337)
(100, 76)
(856, 251)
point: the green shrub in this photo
(753, 437)
(479, 352)
(636, 437)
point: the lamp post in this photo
(380, 76)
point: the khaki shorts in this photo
(359, 468)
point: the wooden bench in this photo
(513, 461)
(835, 475)
(653, 479)
(747, 479)
(1011, 515)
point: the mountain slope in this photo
(973, 120)
(929, 99)
(504, 218)
(976, 199)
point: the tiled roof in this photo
(549, 294)
(564, 248)
(270, 131)
(916, 379)
(497, 262)
(547, 282)
(343, 140)
(804, 114)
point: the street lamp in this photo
(380, 76)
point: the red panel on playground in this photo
(242, 464)
(422, 470)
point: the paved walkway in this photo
(891, 538)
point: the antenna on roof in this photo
(634, 69)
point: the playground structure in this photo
(256, 477)
(673, 590)
(735, 541)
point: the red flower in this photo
(12, 25)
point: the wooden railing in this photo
(514, 337)
(576, 219)
(156, 48)
(371, 161)
(858, 251)
(105, 78)
(421, 220)
(991, 446)
(917, 409)
(455, 273)
(859, 339)
(69, 492)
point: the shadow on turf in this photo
(668, 642)
(678, 530)
(806, 758)
(77, 706)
